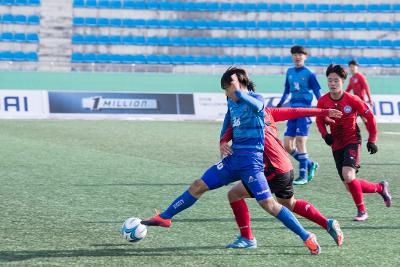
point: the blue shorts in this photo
(298, 127)
(247, 167)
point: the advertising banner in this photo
(23, 104)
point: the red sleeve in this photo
(321, 120)
(227, 136)
(365, 112)
(349, 87)
(366, 87)
(283, 114)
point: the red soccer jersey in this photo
(276, 159)
(345, 130)
(359, 85)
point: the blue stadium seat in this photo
(348, 43)
(76, 57)
(386, 26)
(387, 62)
(275, 25)
(78, 21)
(21, 2)
(262, 7)
(6, 56)
(360, 8)
(337, 43)
(374, 61)
(250, 60)
(90, 39)
(396, 8)
(165, 59)
(20, 19)
(102, 58)
(287, 60)
(324, 25)
(360, 25)
(77, 39)
(313, 61)
(313, 43)
(264, 42)
(201, 24)
(396, 25)
(386, 43)
(373, 26)
(373, 8)
(34, 2)
(336, 8)
(348, 8)
(362, 43)
(20, 37)
(396, 44)
(140, 59)
(275, 60)
(336, 25)
(299, 41)
(103, 22)
(250, 7)
(299, 25)
(263, 25)
(79, 3)
(19, 56)
(275, 42)
(312, 25)
(31, 56)
(91, 3)
(349, 25)
(33, 20)
(323, 8)
(103, 4)
(213, 59)
(312, 8)
(90, 22)
(214, 42)
(285, 7)
(325, 61)
(7, 36)
(373, 43)
(8, 19)
(298, 7)
(263, 60)
(103, 39)
(115, 22)
(116, 4)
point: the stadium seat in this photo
(360, 8)
(32, 38)
(77, 39)
(336, 8)
(373, 8)
(89, 58)
(312, 8)
(103, 4)
(7, 37)
(386, 43)
(6, 56)
(33, 20)
(20, 19)
(323, 8)
(79, 3)
(76, 57)
(91, 3)
(19, 56)
(31, 56)
(348, 8)
(34, 2)
(115, 22)
(20, 37)
(78, 21)
(21, 2)
(8, 19)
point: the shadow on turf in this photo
(14, 256)
(203, 220)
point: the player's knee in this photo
(288, 203)
(289, 148)
(270, 205)
(233, 196)
(197, 188)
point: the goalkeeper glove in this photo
(328, 139)
(372, 148)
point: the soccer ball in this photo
(133, 231)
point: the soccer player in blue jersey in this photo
(301, 83)
(246, 117)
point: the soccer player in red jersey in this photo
(345, 139)
(279, 172)
(358, 83)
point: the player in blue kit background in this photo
(246, 117)
(301, 83)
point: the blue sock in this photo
(183, 202)
(290, 221)
(309, 163)
(295, 154)
(303, 159)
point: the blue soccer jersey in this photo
(247, 120)
(301, 83)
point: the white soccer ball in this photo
(133, 231)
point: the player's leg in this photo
(381, 188)
(216, 176)
(260, 189)
(236, 197)
(289, 138)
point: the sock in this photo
(290, 221)
(356, 192)
(295, 154)
(368, 187)
(307, 210)
(303, 159)
(183, 202)
(242, 217)
(309, 164)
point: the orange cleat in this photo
(156, 220)
(312, 244)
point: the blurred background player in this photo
(246, 117)
(358, 84)
(279, 172)
(301, 83)
(345, 139)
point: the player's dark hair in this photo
(353, 62)
(338, 69)
(242, 77)
(298, 49)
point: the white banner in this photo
(23, 104)
(213, 106)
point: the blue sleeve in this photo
(286, 92)
(255, 103)
(225, 125)
(314, 85)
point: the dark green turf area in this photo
(67, 186)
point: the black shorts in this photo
(281, 185)
(348, 156)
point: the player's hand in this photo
(334, 113)
(328, 139)
(372, 148)
(329, 120)
(371, 103)
(225, 150)
(235, 81)
(279, 105)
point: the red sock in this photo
(307, 210)
(368, 187)
(242, 217)
(356, 192)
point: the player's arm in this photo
(314, 85)
(283, 114)
(321, 125)
(286, 93)
(365, 86)
(225, 137)
(255, 103)
(349, 87)
(370, 124)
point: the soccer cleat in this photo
(312, 244)
(311, 171)
(300, 181)
(335, 231)
(361, 216)
(156, 220)
(242, 242)
(387, 198)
